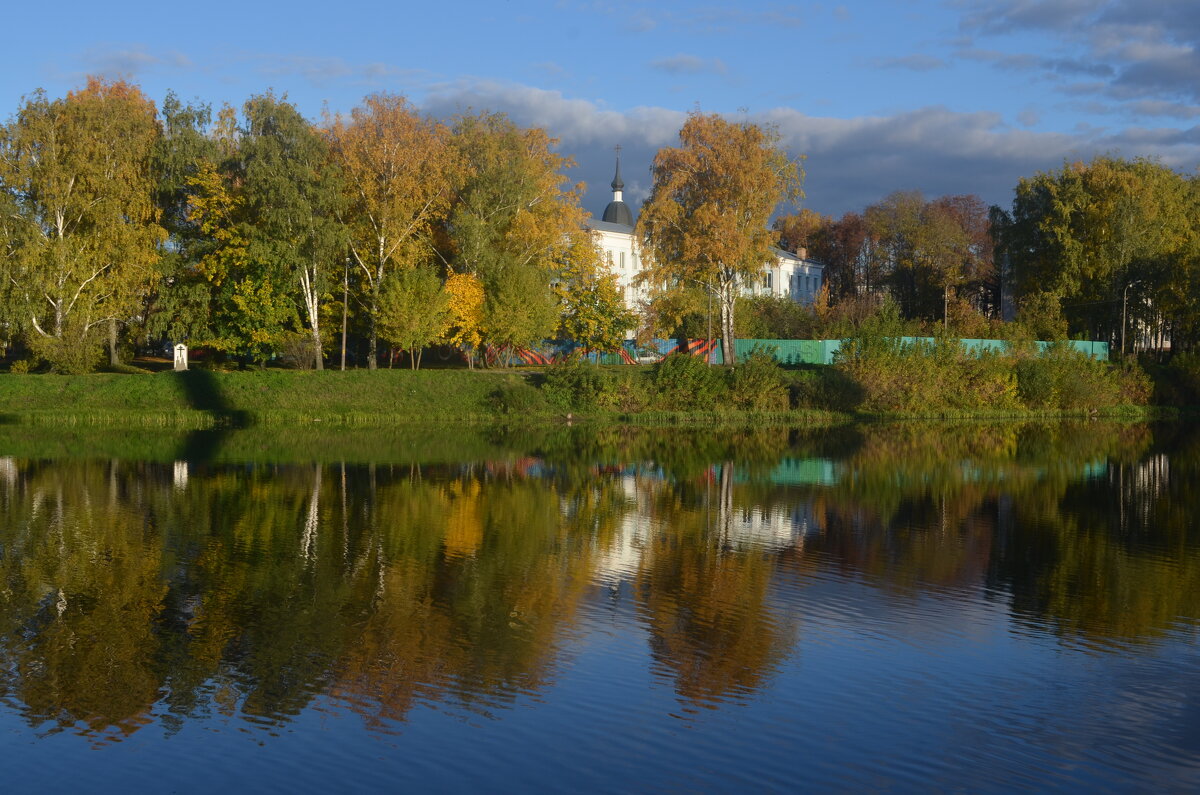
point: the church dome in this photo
(617, 211)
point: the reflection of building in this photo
(788, 275)
(621, 558)
(739, 526)
(771, 530)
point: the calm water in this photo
(896, 607)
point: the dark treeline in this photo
(1103, 250)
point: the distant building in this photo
(789, 275)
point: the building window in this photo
(622, 260)
(767, 281)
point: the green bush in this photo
(516, 397)
(827, 388)
(758, 384)
(943, 375)
(1063, 378)
(683, 382)
(627, 392)
(20, 367)
(70, 354)
(1037, 383)
(576, 384)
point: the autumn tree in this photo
(799, 231)
(399, 169)
(512, 224)
(248, 308)
(519, 310)
(844, 248)
(464, 294)
(706, 218)
(930, 248)
(180, 306)
(78, 172)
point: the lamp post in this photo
(1124, 304)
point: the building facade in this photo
(788, 275)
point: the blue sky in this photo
(956, 96)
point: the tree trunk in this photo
(113, 358)
(373, 342)
(728, 301)
(345, 307)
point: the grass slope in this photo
(201, 398)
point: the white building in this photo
(789, 275)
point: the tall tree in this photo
(844, 247)
(799, 231)
(399, 170)
(293, 193)
(706, 218)
(79, 171)
(1104, 235)
(180, 306)
(931, 248)
(512, 224)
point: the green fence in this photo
(822, 351)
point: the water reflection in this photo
(138, 593)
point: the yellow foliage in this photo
(466, 309)
(213, 207)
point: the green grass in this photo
(201, 399)
(366, 399)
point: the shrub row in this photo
(872, 374)
(677, 383)
(943, 375)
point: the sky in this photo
(940, 96)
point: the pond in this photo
(904, 607)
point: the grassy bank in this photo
(680, 391)
(204, 399)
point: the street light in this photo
(1124, 302)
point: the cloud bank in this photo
(850, 163)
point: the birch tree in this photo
(398, 169)
(706, 219)
(79, 177)
(292, 193)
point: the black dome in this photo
(618, 213)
